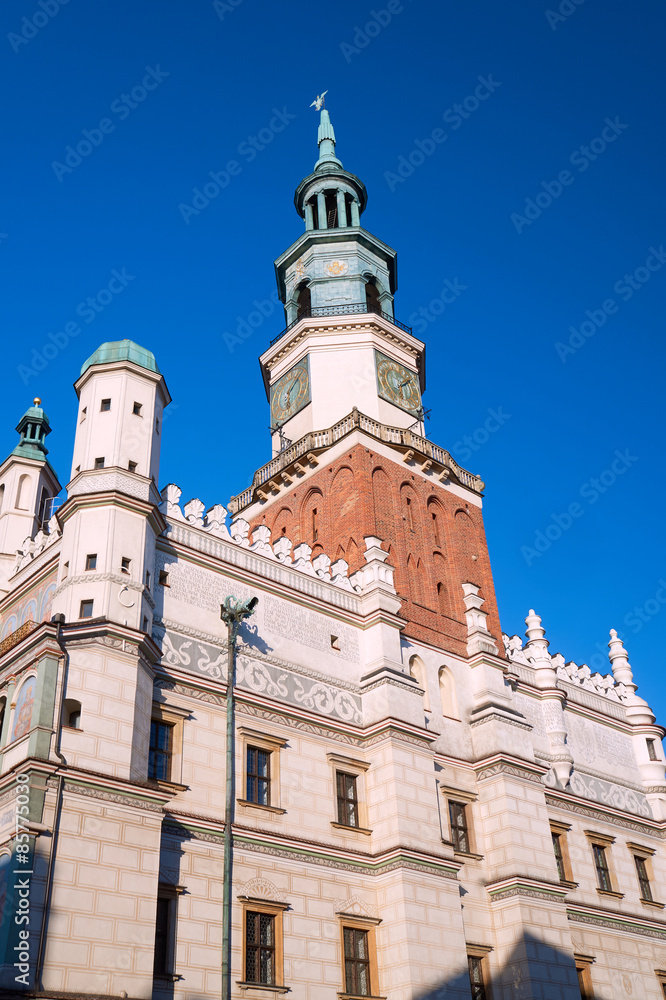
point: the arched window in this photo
(447, 693)
(372, 297)
(3, 709)
(417, 671)
(304, 301)
(22, 493)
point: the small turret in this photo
(27, 484)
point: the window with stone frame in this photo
(600, 846)
(479, 972)
(558, 832)
(349, 791)
(359, 956)
(642, 857)
(261, 770)
(166, 915)
(263, 959)
(459, 826)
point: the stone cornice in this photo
(605, 814)
(31, 575)
(111, 496)
(514, 767)
(614, 920)
(521, 885)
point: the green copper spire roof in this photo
(33, 428)
(122, 350)
(326, 140)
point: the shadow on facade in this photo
(535, 971)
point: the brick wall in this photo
(436, 541)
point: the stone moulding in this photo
(518, 885)
(317, 441)
(308, 851)
(605, 814)
(611, 920)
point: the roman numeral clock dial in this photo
(290, 393)
(398, 384)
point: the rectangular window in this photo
(147, 580)
(652, 752)
(347, 799)
(584, 981)
(65, 570)
(643, 878)
(160, 967)
(357, 961)
(476, 980)
(136, 409)
(559, 857)
(86, 609)
(258, 788)
(601, 865)
(99, 463)
(260, 948)
(125, 564)
(132, 466)
(91, 561)
(459, 828)
(160, 750)
(163, 578)
(106, 405)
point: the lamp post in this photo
(233, 612)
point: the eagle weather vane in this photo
(319, 101)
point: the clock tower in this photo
(342, 346)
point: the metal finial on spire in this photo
(319, 101)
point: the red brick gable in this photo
(435, 540)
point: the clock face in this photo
(398, 384)
(290, 393)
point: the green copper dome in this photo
(122, 350)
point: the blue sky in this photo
(542, 203)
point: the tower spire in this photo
(326, 142)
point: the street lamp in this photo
(233, 612)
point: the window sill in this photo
(167, 786)
(351, 829)
(467, 856)
(610, 893)
(166, 977)
(359, 996)
(264, 987)
(260, 805)
(653, 904)
(568, 884)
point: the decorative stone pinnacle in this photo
(619, 659)
(534, 631)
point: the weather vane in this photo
(319, 101)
